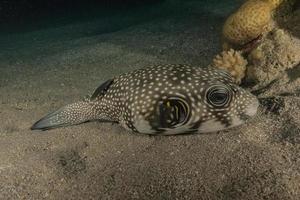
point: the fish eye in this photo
(174, 112)
(218, 96)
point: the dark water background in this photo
(27, 15)
(17, 14)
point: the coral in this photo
(233, 62)
(267, 32)
(278, 52)
(274, 3)
(251, 20)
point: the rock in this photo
(278, 52)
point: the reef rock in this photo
(278, 52)
(277, 25)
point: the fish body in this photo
(162, 99)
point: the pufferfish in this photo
(163, 99)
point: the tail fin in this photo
(71, 114)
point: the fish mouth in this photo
(251, 109)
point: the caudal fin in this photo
(71, 114)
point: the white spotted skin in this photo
(162, 99)
(133, 99)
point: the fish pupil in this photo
(219, 97)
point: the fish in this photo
(164, 99)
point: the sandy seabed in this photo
(45, 69)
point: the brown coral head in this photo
(249, 22)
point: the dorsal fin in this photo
(102, 89)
